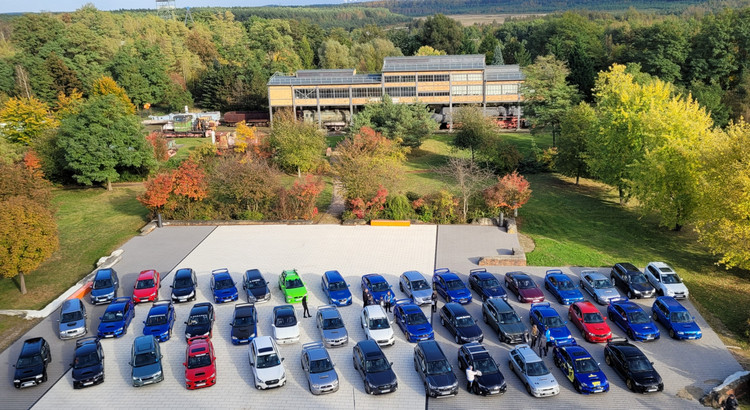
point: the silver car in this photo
(331, 325)
(317, 364)
(415, 286)
(72, 319)
(537, 379)
(598, 286)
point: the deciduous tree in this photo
(442, 33)
(25, 119)
(469, 178)
(475, 130)
(407, 124)
(296, 146)
(107, 86)
(576, 129)
(510, 193)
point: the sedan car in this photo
(434, 370)
(184, 285)
(335, 288)
(545, 317)
(285, 326)
(501, 317)
(586, 317)
(104, 287)
(160, 321)
(377, 327)
(486, 284)
(374, 368)
(255, 286)
(244, 323)
(581, 369)
(633, 366)
(331, 325)
(145, 360)
(598, 286)
(200, 321)
(116, 319)
(266, 363)
(31, 366)
(223, 286)
(72, 322)
(200, 363)
(450, 286)
(88, 363)
(318, 366)
(678, 321)
(537, 379)
(492, 380)
(412, 321)
(460, 324)
(560, 285)
(147, 286)
(375, 288)
(631, 281)
(291, 285)
(416, 287)
(631, 318)
(666, 281)
(523, 287)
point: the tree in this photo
(298, 202)
(576, 129)
(140, 69)
(104, 140)
(429, 51)
(442, 33)
(108, 86)
(28, 236)
(296, 146)
(469, 178)
(158, 190)
(25, 119)
(306, 53)
(510, 193)
(333, 54)
(661, 49)
(475, 129)
(246, 189)
(488, 46)
(368, 57)
(497, 55)
(407, 124)
(21, 180)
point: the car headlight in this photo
(38, 376)
(16, 381)
(636, 291)
(158, 374)
(315, 386)
(335, 382)
(188, 335)
(235, 338)
(101, 373)
(431, 386)
(680, 333)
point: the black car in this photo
(634, 367)
(631, 281)
(459, 322)
(184, 285)
(201, 320)
(501, 317)
(433, 367)
(492, 380)
(256, 288)
(88, 363)
(31, 367)
(244, 323)
(374, 368)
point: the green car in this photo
(291, 284)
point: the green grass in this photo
(185, 146)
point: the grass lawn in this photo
(185, 146)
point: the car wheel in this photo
(442, 321)
(484, 317)
(426, 390)
(461, 365)
(630, 294)
(557, 361)
(629, 383)
(44, 376)
(672, 334)
(475, 389)
(456, 339)
(520, 299)
(660, 292)
(415, 364)
(546, 285)
(528, 390)
(631, 335)
(607, 359)
(309, 387)
(577, 387)
(401, 286)
(367, 389)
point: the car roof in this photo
(500, 304)
(475, 349)
(283, 310)
(91, 340)
(627, 305)
(375, 311)
(184, 272)
(375, 277)
(410, 308)
(448, 276)
(147, 274)
(71, 305)
(527, 353)
(144, 343)
(316, 352)
(457, 309)
(482, 274)
(413, 275)
(587, 307)
(672, 303)
(660, 265)
(263, 342)
(329, 312)
(519, 275)
(370, 349)
(158, 309)
(244, 309)
(629, 267)
(199, 346)
(593, 274)
(544, 308)
(333, 276)
(118, 304)
(290, 273)
(253, 274)
(202, 307)
(32, 345)
(103, 273)
(431, 350)
(576, 351)
(627, 349)
(223, 274)
(558, 275)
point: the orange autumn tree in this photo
(158, 190)
(510, 193)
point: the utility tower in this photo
(165, 9)
(188, 16)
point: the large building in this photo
(332, 97)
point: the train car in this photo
(331, 119)
(254, 118)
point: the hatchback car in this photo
(184, 285)
(486, 284)
(666, 281)
(633, 366)
(335, 288)
(318, 366)
(146, 287)
(460, 324)
(416, 287)
(200, 363)
(450, 286)
(377, 327)
(678, 321)
(222, 286)
(434, 370)
(116, 319)
(104, 287)
(412, 321)
(631, 281)
(537, 379)
(266, 363)
(285, 326)
(31, 366)
(72, 319)
(88, 363)
(523, 287)
(545, 317)
(586, 317)
(375, 288)
(160, 321)
(374, 368)
(631, 318)
(598, 286)
(200, 321)
(292, 286)
(331, 325)
(145, 360)
(501, 317)
(244, 323)
(561, 287)
(581, 369)
(255, 286)
(492, 380)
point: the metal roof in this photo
(503, 72)
(434, 63)
(280, 79)
(331, 72)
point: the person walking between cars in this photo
(534, 336)
(470, 377)
(306, 313)
(434, 301)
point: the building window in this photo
(466, 90)
(334, 93)
(433, 93)
(369, 92)
(401, 91)
(431, 78)
(466, 77)
(502, 89)
(400, 78)
(304, 93)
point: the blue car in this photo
(545, 317)
(581, 369)
(335, 287)
(412, 321)
(486, 284)
(116, 319)
(450, 286)
(104, 287)
(223, 286)
(676, 318)
(632, 319)
(560, 285)
(160, 321)
(375, 288)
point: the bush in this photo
(398, 207)
(249, 215)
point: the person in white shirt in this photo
(470, 376)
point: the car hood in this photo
(296, 291)
(28, 371)
(650, 377)
(340, 294)
(243, 332)
(542, 382)
(676, 287)
(183, 291)
(512, 328)
(419, 330)
(442, 380)
(642, 287)
(148, 370)
(76, 324)
(323, 377)
(459, 293)
(200, 372)
(607, 293)
(87, 372)
(111, 326)
(646, 328)
(381, 378)
(561, 332)
(597, 328)
(492, 380)
(222, 293)
(469, 331)
(259, 292)
(197, 330)
(497, 292)
(422, 294)
(155, 330)
(571, 294)
(592, 377)
(334, 333)
(686, 327)
(102, 292)
(531, 293)
(142, 293)
(286, 332)
(381, 334)
(270, 373)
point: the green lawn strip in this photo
(185, 145)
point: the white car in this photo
(666, 281)
(377, 327)
(266, 363)
(285, 326)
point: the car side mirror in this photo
(144, 322)
(565, 322)
(71, 365)
(185, 322)
(282, 359)
(161, 356)
(184, 364)
(100, 318)
(391, 363)
(605, 318)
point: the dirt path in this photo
(337, 207)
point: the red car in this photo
(147, 287)
(587, 318)
(200, 365)
(524, 287)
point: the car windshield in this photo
(224, 284)
(486, 365)
(195, 362)
(320, 366)
(508, 318)
(285, 321)
(670, 278)
(602, 284)
(587, 365)
(638, 279)
(266, 361)
(464, 321)
(112, 316)
(680, 317)
(490, 283)
(333, 286)
(454, 284)
(155, 320)
(536, 369)
(638, 318)
(379, 286)
(639, 364)
(416, 319)
(71, 317)
(377, 365)
(144, 359)
(592, 318)
(28, 361)
(144, 284)
(333, 323)
(103, 283)
(256, 283)
(419, 285)
(294, 283)
(197, 320)
(180, 283)
(565, 285)
(379, 323)
(525, 284)
(243, 321)
(86, 359)
(438, 367)
(553, 321)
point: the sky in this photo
(35, 6)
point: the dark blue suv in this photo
(450, 286)
(680, 323)
(104, 287)
(434, 370)
(459, 322)
(88, 363)
(486, 284)
(374, 368)
(335, 287)
(184, 285)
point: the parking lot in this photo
(686, 367)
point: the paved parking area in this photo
(354, 251)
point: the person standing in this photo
(387, 304)
(434, 301)
(534, 335)
(547, 342)
(364, 298)
(470, 377)
(382, 303)
(306, 312)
